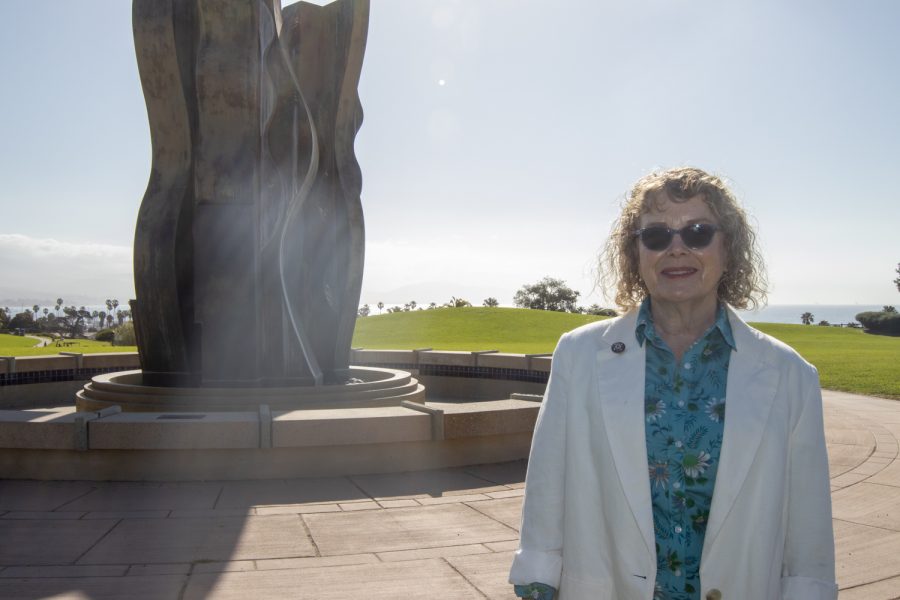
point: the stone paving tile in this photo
(147, 541)
(403, 529)
(508, 473)
(427, 501)
(352, 506)
(160, 569)
(503, 546)
(443, 551)
(57, 571)
(868, 504)
(40, 495)
(212, 512)
(420, 484)
(414, 580)
(849, 478)
(487, 573)
(404, 503)
(115, 496)
(845, 455)
(506, 510)
(238, 494)
(872, 466)
(890, 475)
(27, 542)
(886, 589)
(517, 493)
(856, 436)
(296, 509)
(316, 561)
(162, 587)
(225, 566)
(127, 514)
(47, 515)
(884, 454)
(838, 470)
(864, 554)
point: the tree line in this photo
(547, 294)
(61, 320)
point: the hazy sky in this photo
(499, 139)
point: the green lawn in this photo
(504, 329)
(847, 359)
(14, 345)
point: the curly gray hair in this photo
(743, 285)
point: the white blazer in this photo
(587, 521)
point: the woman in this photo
(679, 454)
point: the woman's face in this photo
(679, 274)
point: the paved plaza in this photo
(448, 533)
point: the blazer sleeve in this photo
(539, 557)
(808, 569)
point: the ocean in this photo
(790, 313)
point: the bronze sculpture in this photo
(249, 245)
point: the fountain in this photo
(248, 253)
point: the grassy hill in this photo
(504, 329)
(847, 359)
(14, 345)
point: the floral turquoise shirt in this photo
(684, 408)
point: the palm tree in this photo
(380, 307)
(59, 303)
(458, 302)
(807, 318)
(115, 304)
(109, 320)
(102, 315)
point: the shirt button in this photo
(687, 365)
(678, 529)
(676, 485)
(677, 572)
(678, 444)
(681, 404)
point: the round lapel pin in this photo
(618, 348)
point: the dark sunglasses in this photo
(659, 237)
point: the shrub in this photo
(880, 322)
(596, 309)
(105, 335)
(125, 335)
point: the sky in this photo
(500, 137)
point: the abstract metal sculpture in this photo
(248, 254)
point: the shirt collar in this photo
(645, 330)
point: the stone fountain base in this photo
(376, 387)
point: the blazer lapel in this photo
(620, 378)
(751, 386)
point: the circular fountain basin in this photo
(375, 387)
